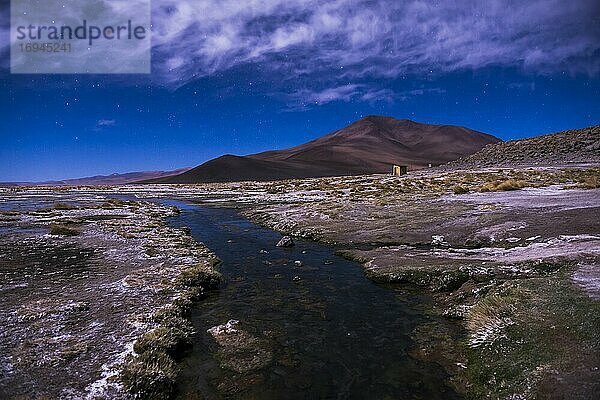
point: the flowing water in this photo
(333, 334)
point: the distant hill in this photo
(98, 180)
(370, 145)
(566, 147)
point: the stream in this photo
(331, 333)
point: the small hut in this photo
(398, 170)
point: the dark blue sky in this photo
(313, 78)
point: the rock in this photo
(227, 328)
(438, 240)
(285, 241)
(239, 350)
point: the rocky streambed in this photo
(298, 322)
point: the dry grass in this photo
(505, 185)
(63, 206)
(151, 375)
(60, 229)
(458, 189)
(199, 275)
(593, 182)
(489, 310)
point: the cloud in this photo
(102, 124)
(384, 38)
(340, 93)
(522, 86)
(339, 43)
(106, 122)
(307, 98)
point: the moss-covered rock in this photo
(200, 275)
(171, 338)
(151, 375)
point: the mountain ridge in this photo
(99, 180)
(370, 145)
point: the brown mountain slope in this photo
(566, 147)
(378, 142)
(370, 145)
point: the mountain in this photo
(370, 145)
(98, 180)
(560, 148)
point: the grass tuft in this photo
(151, 375)
(199, 275)
(60, 229)
(505, 185)
(63, 206)
(171, 339)
(592, 182)
(489, 311)
(458, 189)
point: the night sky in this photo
(241, 77)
